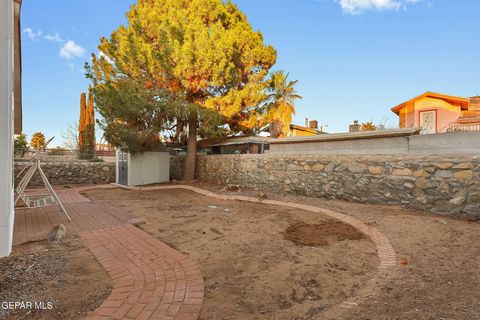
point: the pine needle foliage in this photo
(202, 51)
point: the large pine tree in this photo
(203, 51)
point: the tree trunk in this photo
(190, 163)
(178, 132)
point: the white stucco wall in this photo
(6, 127)
(148, 168)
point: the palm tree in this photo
(38, 140)
(281, 104)
(369, 126)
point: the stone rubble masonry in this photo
(439, 184)
(71, 172)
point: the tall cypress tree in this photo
(81, 124)
(90, 127)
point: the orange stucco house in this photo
(438, 113)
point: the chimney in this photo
(313, 124)
(474, 103)
(355, 127)
(306, 122)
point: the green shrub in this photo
(20, 145)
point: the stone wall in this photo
(77, 172)
(438, 184)
(177, 166)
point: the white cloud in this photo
(32, 34)
(355, 7)
(71, 50)
(54, 38)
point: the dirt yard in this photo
(259, 261)
(437, 276)
(63, 278)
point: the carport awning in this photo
(17, 93)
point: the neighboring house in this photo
(310, 129)
(301, 131)
(10, 113)
(255, 144)
(105, 150)
(236, 145)
(438, 113)
(104, 147)
(394, 141)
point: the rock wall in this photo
(177, 166)
(78, 172)
(438, 184)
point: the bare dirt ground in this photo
(437, 276)
(259, 261)
(64, 274)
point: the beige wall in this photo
(393, 145)
(446, 113)
(406, 115)
(444, 143)
(6, 127)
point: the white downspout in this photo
(6, 126)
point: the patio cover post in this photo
(6, 126)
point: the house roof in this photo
(297, 127)
(302, 128)
(244, 140)
(458, 101)
(232, 140)
(349, 136)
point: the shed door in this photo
(428, 122)
(123, 168)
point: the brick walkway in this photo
(150, 279)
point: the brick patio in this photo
(150, 279)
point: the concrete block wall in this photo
(431, 144)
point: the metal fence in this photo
(464, 127)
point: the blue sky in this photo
(354, 59)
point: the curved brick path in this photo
(150, 279)
(386, 253)
(154, 281)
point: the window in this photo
(428, 122)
